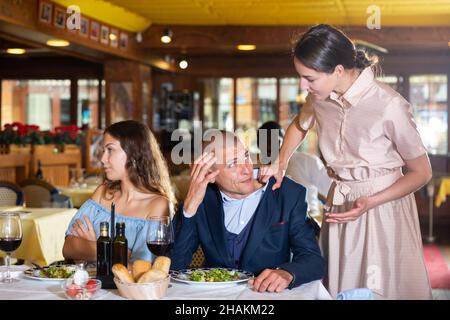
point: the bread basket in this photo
(143, 291)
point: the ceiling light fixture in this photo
(246, 47)
(15, 51)
(167, 36)
(183, 64)
(57, 43)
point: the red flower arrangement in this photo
(18, 133)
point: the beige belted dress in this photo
(365, 135)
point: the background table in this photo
(78, 195)
(43, 234)
(28, 289)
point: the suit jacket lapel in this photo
(215, 217)
(263, 218)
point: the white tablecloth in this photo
(28, 289)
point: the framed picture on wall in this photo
(45, 12)
(104, 34)
(123, 41)
(114, 38)
(60, 18)
(95, 30)
(84, 27)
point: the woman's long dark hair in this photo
(323, 47)
(146, 167)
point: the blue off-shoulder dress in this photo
(135, 228)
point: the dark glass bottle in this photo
(120, 245)
(104, 251)
(39, 173)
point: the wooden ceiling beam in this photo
(222, 39)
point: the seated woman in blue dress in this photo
(136, 181)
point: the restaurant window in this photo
(292, 99)
(391, 80)
(256, 103)
(45, 103)
(87, 104)
(218, 104)
(289, 100)
(429, 99)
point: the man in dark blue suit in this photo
(240, 223)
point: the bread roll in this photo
(140, 267)
(152, 275)
(162, 263)
(121, 272)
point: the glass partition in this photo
(45, 103)
(218, 104)
(87, 105)
(429, 99)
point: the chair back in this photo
(10, 194)
(198, 259)
(41, 194)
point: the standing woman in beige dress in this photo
(370, 235)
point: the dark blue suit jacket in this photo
(280, 226)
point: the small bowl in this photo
(143, 291)
(81, 292)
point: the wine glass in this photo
(160, 235)
(81, 178)
(10, 239)
(73, 178)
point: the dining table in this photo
(31, 289)
(43, 233)
(79, 195)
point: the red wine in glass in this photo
(160, 235)
(159, 248)
(10, 244)
(10, 239)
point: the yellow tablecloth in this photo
(43, 234)
(444, 190)
(78, 195)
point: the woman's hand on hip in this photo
(360, 206)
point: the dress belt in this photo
(340, 189)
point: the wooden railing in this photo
(14, 166)
(21, 163)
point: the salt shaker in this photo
(81, 276)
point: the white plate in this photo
(23, 212)
(183, 276)
(33, 273)
(19, 212)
